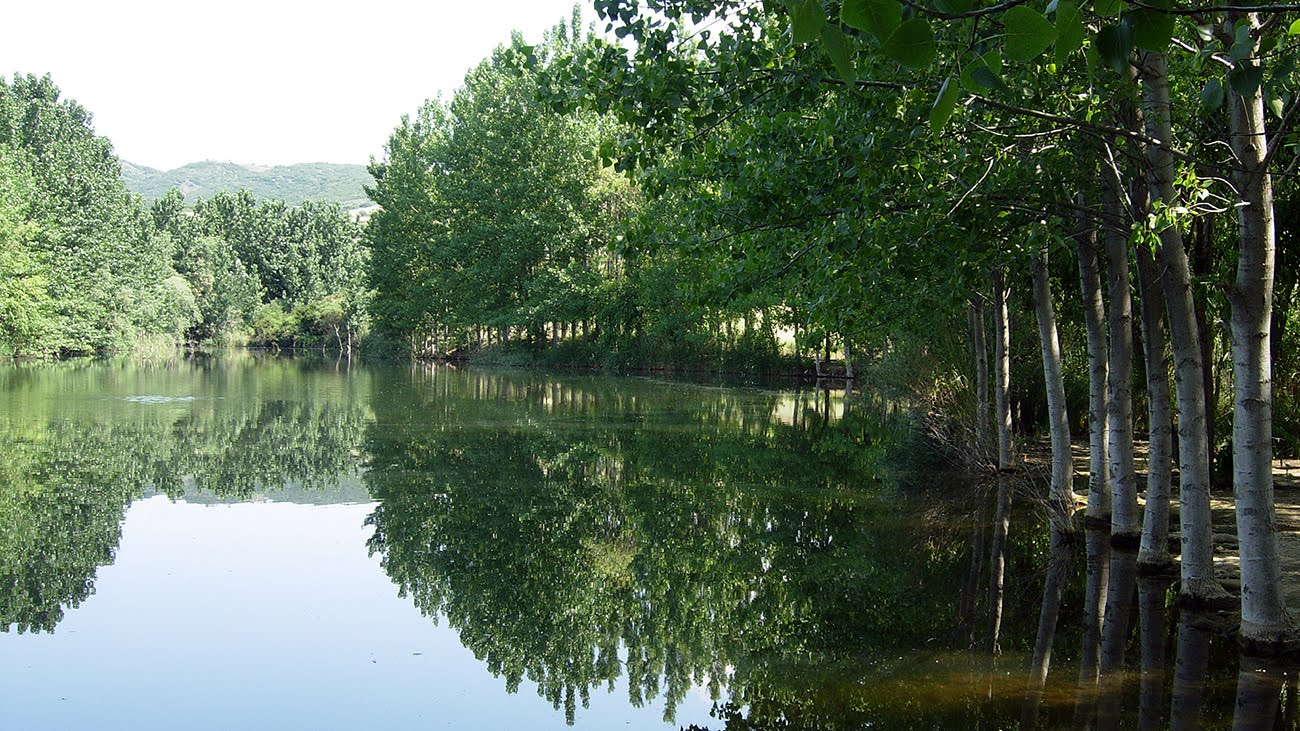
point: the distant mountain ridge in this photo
(293, 184)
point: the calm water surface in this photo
(268, 543)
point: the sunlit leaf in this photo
(944, 104)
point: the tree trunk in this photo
(1264, 618)
(1125, 526)
(1061, 499)
(980, 349)
(1200, 253)
(1099, 507)
(1198, 580)
(1002, 370)
(1153, 554)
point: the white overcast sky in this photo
(259, 81)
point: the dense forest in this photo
(88, 268)
(1077, 217)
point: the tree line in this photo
(87, 268)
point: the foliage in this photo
(83, 274)
(246, 261)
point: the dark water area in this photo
(252, 542)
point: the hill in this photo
(293, 184)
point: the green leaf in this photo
(984, 73)
(944, 104)
(1115, 43)
(880, 18)
(836, 47)
(1294, 30)
(1107, 8)
(1152, 29)
(1212, 94)
(1275, 105)
(1069, 29)
(912, 44)
(1243, 44)
(954, 6)
(807, 21)
(1245, 78)
(1029, 33)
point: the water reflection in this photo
(767, 549)
(681, 537)
(74, 464)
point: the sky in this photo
(266, 82)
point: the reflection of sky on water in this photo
(268, 615)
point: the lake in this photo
(264, 543)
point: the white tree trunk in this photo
(1099, 508)
(1264, 618)
(1125, 525)
(1197, 572)
(1002, 371)
(1153, 554)
(1061, 499)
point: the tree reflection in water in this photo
(70, 471)
(762, 547)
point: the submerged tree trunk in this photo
(1002, 370)
(1061, 498)
(1099, 507)
(1264, 618)
(1125, 525)
(1198, 580)
(1153, 554)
